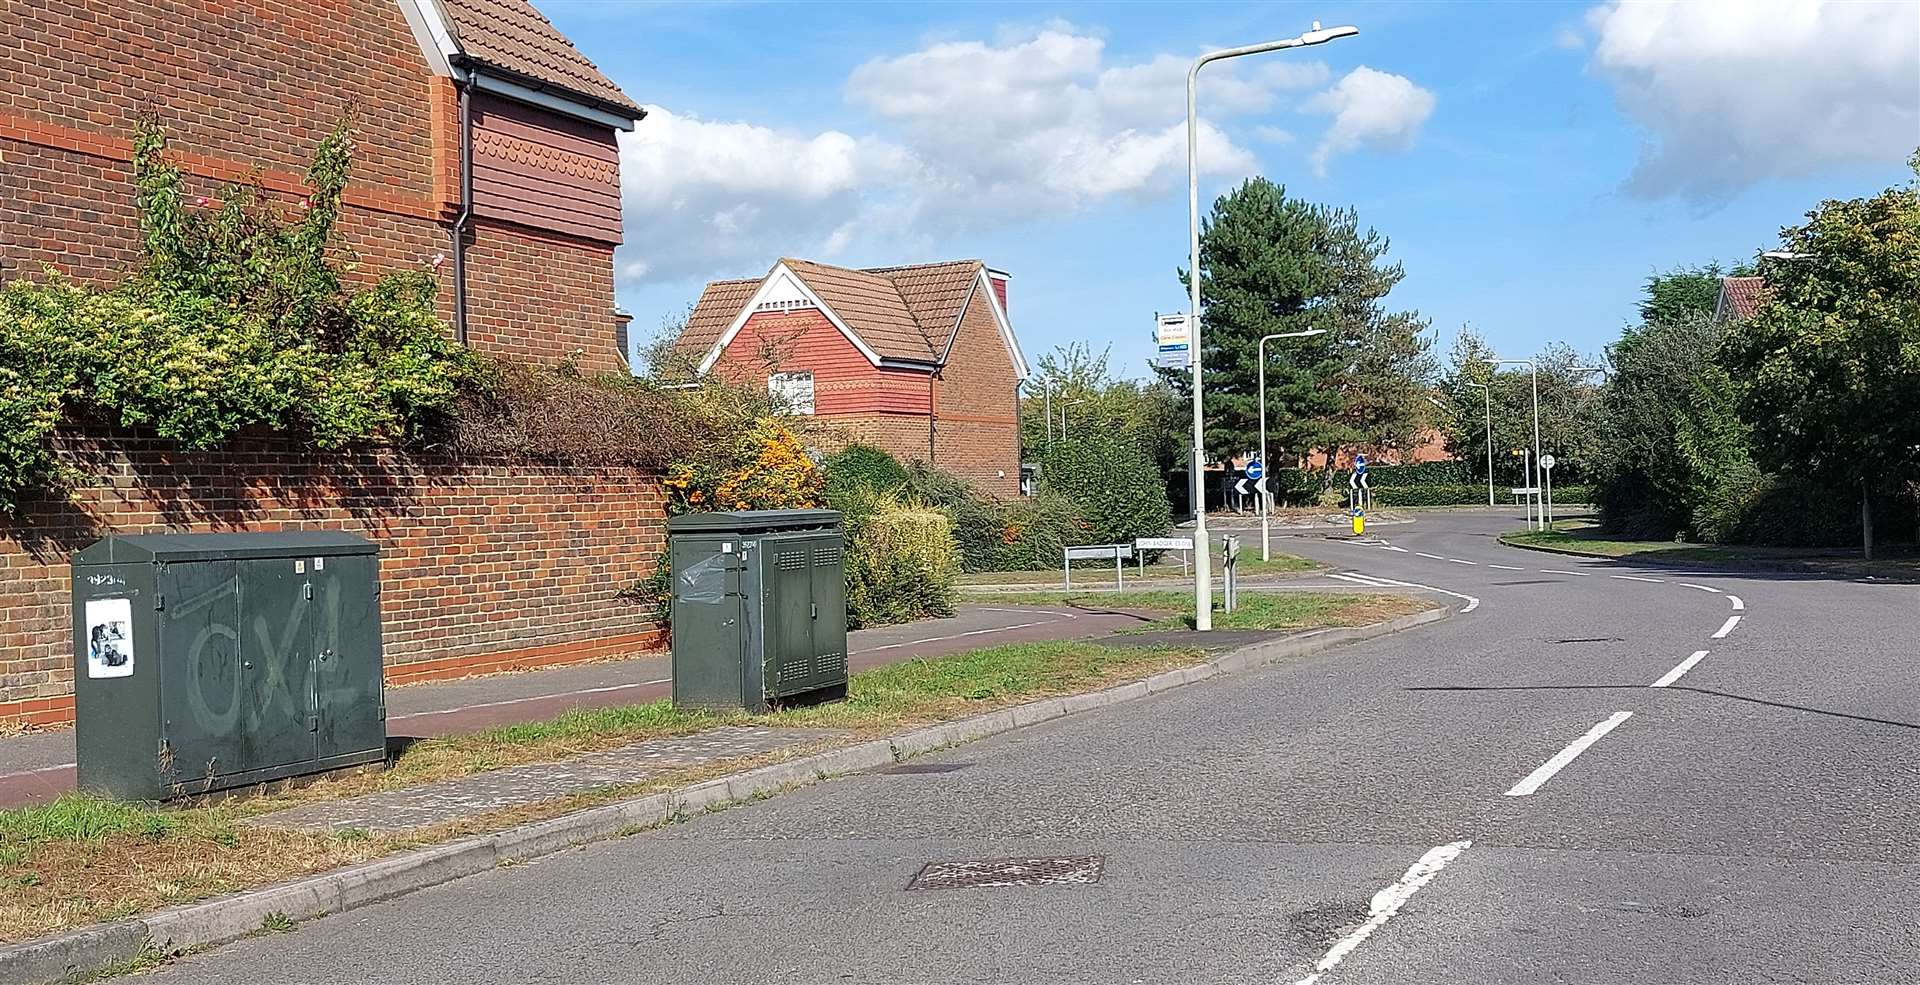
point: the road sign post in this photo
(1546, 485)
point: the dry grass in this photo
(83, 860)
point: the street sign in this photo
(1359, 463)
(1547, 462)
(1255, 470)
(1241, 486)
(1171, 337)
(1261, 484)
(1164, 543)
(1526, 490)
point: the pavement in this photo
(37, 766)
(1592, 773)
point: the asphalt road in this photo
(38, 766)
(1503, 797)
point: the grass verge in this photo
(1256, 610)
(1168, 567)
(1586, 538)
(82, 859)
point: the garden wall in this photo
(484, 565)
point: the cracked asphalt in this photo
(1756, 819)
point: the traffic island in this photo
(1897, 562)
(122, 885)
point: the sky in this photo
(1532, 163)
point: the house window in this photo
(793, 391)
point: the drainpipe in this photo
(460, 223)
(933, 415)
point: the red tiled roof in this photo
(512, 35)
(906, 313)
(1740, 296)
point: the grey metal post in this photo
(1202, 575)
(1066, 566)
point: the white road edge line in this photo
(1703, 588)
(1503, 567)
(1737, 604)
(1650, 581)
(1386, 903)
(1726, 627)
(1378, 582)
(40, 769)
(537, 697)
(1535, 779)
(1680, 670)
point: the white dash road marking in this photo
(1650, 581)
(1680, 671)
(1390, 547)
(1504, 567)
(1701, 588)
(1557, 571)
(1434, 557)
(1738, 605)
(537, 697)
(1458, 561)
(1726, 627)
(1386, 903)
(1378, 582)
(1535, 779)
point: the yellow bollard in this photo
(1359, 523)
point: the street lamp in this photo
(1064, 404)
(1533, 367)
(1487, 392)
(1266, 498)
(1202, 562)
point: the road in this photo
(1551, 786)
(38, 766)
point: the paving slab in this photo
(451, 800)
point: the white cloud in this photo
(1732, 92)
(1042, 122)
(701, 196)
(1569, 39)
(1371, 109)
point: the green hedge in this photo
(1457, 494)
(1118, 490)
(1422, 474)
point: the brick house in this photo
(470, 115)
(1740, 298)
(918, 360)
(475, 115)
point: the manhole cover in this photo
(1069, 870)
(926, 768)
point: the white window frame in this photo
(786, 388)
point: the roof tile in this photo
(1740, 296)
(512, 35)
(907, 313)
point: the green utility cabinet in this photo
(759, 608)
(204, 662)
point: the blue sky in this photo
(1532, 163)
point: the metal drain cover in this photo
(926, 768)
(1068, 870)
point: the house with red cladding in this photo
(918, 360)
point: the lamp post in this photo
(1064, 404)
(1202, 561)
(1487, 391)
(1266, 498)
(1534, 469)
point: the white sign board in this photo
(109, 638)
(1104, 551)
(1547, 462)
(1170, 330)
(1526, 490)
(1164, 543)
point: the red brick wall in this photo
(540, 297)
(484, 565)
(974, 405)
(248, 90)
(844, 382)
(904, 436)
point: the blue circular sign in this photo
(1255, 470)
